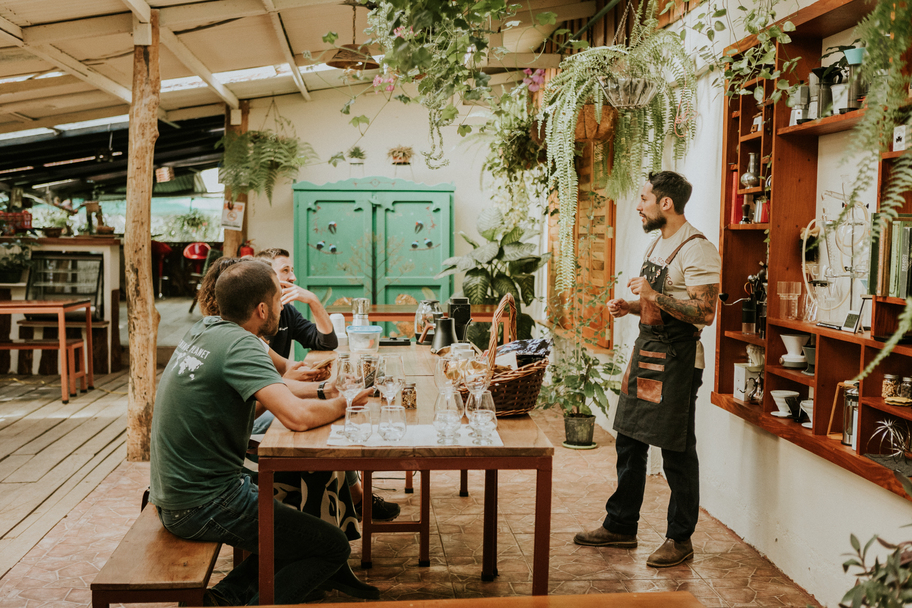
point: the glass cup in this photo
(789, 292)
(350, 379)
(483, 419)
(447, 416)
(389, 376)
(392, 422)
(447, 373)
(358, 424)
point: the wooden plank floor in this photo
(52, 455)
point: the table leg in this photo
(367, 503)
(424, 535)
(64, 359)
(267, 537)
(89, 351)
(409, 488)
(540, 556)
(463, 483)
(489, 544)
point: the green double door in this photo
(375, 238)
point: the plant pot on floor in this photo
(578, 429)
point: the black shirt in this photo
(293, 326)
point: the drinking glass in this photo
(390, 376)
(475, 375)
(447, 373)
(447, 416)
(484, 418)
(350, 379)
(357, 424)
(392, 422)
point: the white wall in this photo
(792, 506)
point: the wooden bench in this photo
(72, 345)
(152, 565)
(74, 328)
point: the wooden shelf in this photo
(754, 190)
(748, 226)
(879, 404)
(825, 126)
(749, 338)
(892, 155)
(751, 136)
(890, 300)
(794, 375)
(820, 445)
(736, 114)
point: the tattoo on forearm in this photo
(699, 309)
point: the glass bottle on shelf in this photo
(751, 177)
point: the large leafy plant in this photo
(257, 160)
(503, 264)
(641, 133)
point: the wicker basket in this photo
(515, 392)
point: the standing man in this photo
(677, 288)
(318, 335)
(204, 411)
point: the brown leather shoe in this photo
(600, 537)
(671, 553)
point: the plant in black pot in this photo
(15, 257)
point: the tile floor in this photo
(724, 572)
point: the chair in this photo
(197, 278)
(159, 252)
(196, 253)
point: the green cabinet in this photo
(373, 237)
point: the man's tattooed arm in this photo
(700, 309)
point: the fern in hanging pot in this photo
(257, 160)
(651, 81)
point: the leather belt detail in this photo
(651, 354)
(656, 367)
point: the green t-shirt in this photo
(204, 411)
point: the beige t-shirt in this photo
(698, 263)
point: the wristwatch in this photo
(320, 393)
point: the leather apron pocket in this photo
(650, 375)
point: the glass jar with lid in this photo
(905, 387)
(890, 386)
(850, 415)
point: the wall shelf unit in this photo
(840, 356)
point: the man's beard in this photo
(271, 328)
(654, 223)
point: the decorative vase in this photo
(751, 177)
(579, 429)
(588, 129)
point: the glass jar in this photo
(890, 386)
(849, 415)
(905, 388)
(409, 396)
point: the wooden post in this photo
(142, 316)
(235, 238)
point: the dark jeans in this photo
(681, 469)
(308, 550)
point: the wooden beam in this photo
(140, 8)
(521, 61)
(92, 27)
(285, 45)
(235, 238)
(186, 56)
(36, 84)
(212, 109)
(143, 318)
(60, 119)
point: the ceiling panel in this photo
(241, 44)
(72, 87)
(18, 62)
(33, 12)
(307, 26)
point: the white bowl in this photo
(364, 339)
(780, 396)
(794, 343)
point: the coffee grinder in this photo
(460, 310)
(799, 102)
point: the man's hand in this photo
(618, 307)
(641, 287)
(361, 398)
(302, 372)
(291, 292)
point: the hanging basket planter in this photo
(588, 129)
(629, 93)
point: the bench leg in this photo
(71, 364)
(409, 486)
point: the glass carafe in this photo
(425, 315)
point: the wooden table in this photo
(60, 308)
(406, 312)
(660, 599)
(525, 447)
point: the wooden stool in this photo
(72, 347)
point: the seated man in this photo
(204, 411)
(319, 336)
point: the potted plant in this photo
(401, 155)
(14, 259)
(356, 155)
(502, 265)
(257, 160)
(650, 111)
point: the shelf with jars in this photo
(769, 161)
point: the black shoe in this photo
(381, 510)
(344, 580)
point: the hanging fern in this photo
(640, 134)
(257, 160)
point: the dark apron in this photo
(655, 401)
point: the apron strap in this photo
(675, 252)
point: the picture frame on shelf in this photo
(852, 321)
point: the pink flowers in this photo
(400, 31)
(381, 79)
(535, 79)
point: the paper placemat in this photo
(416, 435)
